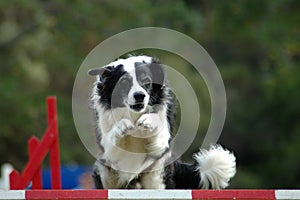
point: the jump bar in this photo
(149, 194)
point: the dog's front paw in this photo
(123, 126)
(150, 122)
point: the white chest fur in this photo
(129, 139)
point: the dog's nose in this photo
(139, 97)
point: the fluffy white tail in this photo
(216, 167)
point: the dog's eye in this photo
(146, 81)
(124, 81)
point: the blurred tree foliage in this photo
(254, 43)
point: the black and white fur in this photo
(135, 120)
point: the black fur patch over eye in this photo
(158, 74)
(109, 85)
(121, 90)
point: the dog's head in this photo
(135, 83)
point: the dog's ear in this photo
(96, 71)
(102, 72)
(99, 70)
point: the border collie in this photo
(135, 120)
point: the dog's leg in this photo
(108, 176)
(128, 180)
(117, 132)
(153, 180)
(97, 180)
(156, 130)
(122, 126)
(149, 122)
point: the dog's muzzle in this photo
(139, 98)
(137, 107)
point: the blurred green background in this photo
(255, 44)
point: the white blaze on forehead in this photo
(129, 63)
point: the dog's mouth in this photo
(137, 107)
